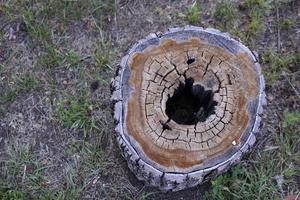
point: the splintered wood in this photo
(157, 147)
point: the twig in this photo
(24, 173)
(278, 29)
(92, 180)
(130, 10)
(116, 20)
(115, 14)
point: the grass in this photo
(227, 18)
(76, 113)
(103, 55)
(287, 23)
(22, 174)
(259, 4)
(225, 13)
(71, 58)
(25, 84)
(19, 170)
(49, 35)
(256, 24)
(47, 32)
(276, 63)
(260, 177)
(12, 194)
(38, 15)
(38, 18)
(50, 58)
(92, 158)
(193, 14)
(28, 82)
(257, 9)
(53, 57)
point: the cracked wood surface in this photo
(175, 156)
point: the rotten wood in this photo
(172, 154)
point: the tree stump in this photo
(188, 106)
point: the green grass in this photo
(287, 23)
(71, 58)
(48, 27)
(258, 177)
(193, 14)
(53, 57)
(103, 55)
(276, 63)
(259, 4)
(92, 159)
(256, 24)
(20, 170)
(27, 83)
(50, 58)
(22, 174)
(12, 194)
(10, 96)
(225, 13)
(257, 10)
(39, 30)
(38, 15)
(71, 187)
(76, 113)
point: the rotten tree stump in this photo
(188, 106)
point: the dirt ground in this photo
(56, 129)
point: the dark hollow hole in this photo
(190, 61)
(94, 85)
(190, 103)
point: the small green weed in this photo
(225, 12)
(291, 119)
(288, 138)
(277, 63)
(54, 57)
(193, 15)
(257, 9)
(28, 82)
(12, 194)
(37, 29)
(256, 24)
(287, 23)
(71, 57)
(103, 54)
(90, 162)
(25, 84)
(259, 4)
(21, 172)
(71, 189)
(2, 110)
(51, 57)
(10, 96)
(19, 156)
(91, 157)
(75, 112)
